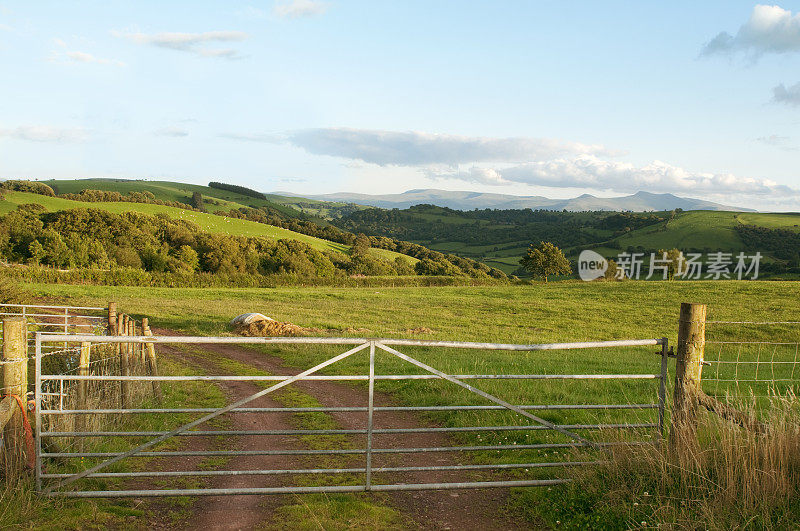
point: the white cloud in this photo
(588, 171)
(788, 96)
(176, 132)
(417, 148)
(770, 29)
(83, 57)
(299, 8)
(190, 42)
(45, 133)
(778, 141)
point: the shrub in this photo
(28, 186)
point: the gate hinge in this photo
(670, 352)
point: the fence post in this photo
(82, 390)
(15, 382)
(124, 362)
(152, 365)
(112, 318)
(688, 372)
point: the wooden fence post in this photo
(112, 318)
(15, 382)
(152, 365)
(688, 372)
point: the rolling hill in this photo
(496, 237)
(499, 238)
(638, 202)
(208, 222)
(221, 200)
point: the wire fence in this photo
(51, 319)
(91, 360)
(751, 359)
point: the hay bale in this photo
(271, 328)
(248, 318)
(259, 325)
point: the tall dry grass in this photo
(730, 478)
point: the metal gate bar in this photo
(368, 451)
(342, 409)
(185, 427)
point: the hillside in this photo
(221, 200)
(704, 231)
(208, 222)
(500, 237)
(462, 200)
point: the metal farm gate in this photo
(73, 471)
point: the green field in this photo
(702, 229)
(559, 312)
(168, 191)
(698, 229)
(207, 222)
(182, 192)
(482, 236)
(564, 311)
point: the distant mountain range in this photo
(638, 202)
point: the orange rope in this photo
(31, 451)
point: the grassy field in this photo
(169, 191)
(564, 311)
(208, 222)
(222, 199)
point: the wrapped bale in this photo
(259, 325)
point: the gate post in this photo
(15, 389)
(688, 372)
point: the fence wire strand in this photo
(752, 358)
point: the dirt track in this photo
(463, 509)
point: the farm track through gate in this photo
(370, 466)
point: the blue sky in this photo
(699, 99)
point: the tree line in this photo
(98, 239)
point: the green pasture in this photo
(538, 313)
(701, 229)
(167, 191)
(208, 222)
(697, 229)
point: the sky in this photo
(552, 98)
